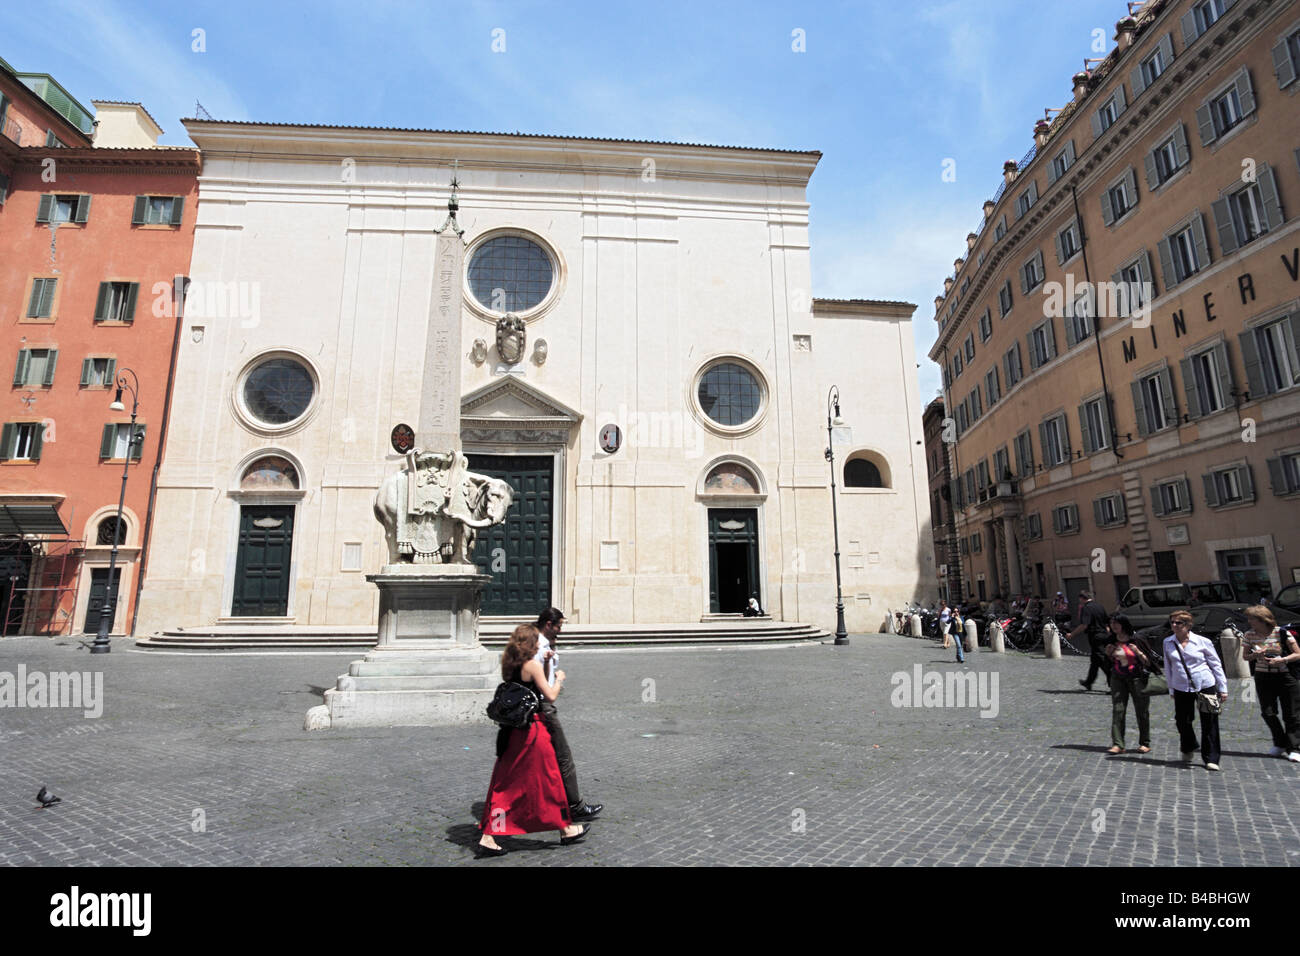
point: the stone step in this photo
(479, 662)
(439, 681)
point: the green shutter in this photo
(129, 314)
(1294, 321)
(178, 205)
(1224, 372)
(1245, 91)
(1283, 68)
(47, 297)
(82, 211)
(1268, 195)
(1051, 338)
(1157, 502)
(1211, 489)
(1097, 516)
(1139, 407)
(1167, 397)
(101, 302)
(1190, 31)
(1205, 124)
(110, 374)
(1190, 388)
(1180, 146)
(1223, 226)
(1198, 239)
(1167, 263)
(87, 366)
(1084, 431)
(106, 441)
(1247, 482)
(137, 449)
(1277, 476)
(45, 208)
(1063, 428)
(4, 188)
(1042, 443)
(49, 367)
(1186, 493)
(1254, 368)
(1153, 172)
(34, 303)
(20, 370)
(138, 213)
(38, 438)
(7, 441)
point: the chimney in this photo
(971, 238)
(1125, 31)
(124, 126)
(1041, 129)
(1010, 170)
(989, 206)
(1080, 86)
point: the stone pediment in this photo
(511, 404)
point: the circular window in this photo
(730, 395)
(104, 534)
(510, 274)
(278, 391)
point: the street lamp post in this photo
(833, 402)
(109, 611)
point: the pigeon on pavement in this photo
(47, 799)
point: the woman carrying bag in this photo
(1135, 674)
(1195, 676)
(526, 794)
(1274, 659)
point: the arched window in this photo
(269, 473)
(860, 473)
(731, 478)
(105, 529)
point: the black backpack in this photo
(513, 705)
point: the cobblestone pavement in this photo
(780, 755)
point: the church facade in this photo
(641, 359)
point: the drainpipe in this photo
(179, 285)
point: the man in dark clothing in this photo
(549, 623)
(1093, 620)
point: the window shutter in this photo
(7, 441)
(1097, 514)
(87, 366)
(110, 374)
(1198, 238)
(129, 314)
(1050, 326)
(1096, 124)
(1121, 104)
(1205, 123)
(1190, 33)
(101, 302)
(1283, 68)
(1223, 371)
(1268, 194)
(47, 297)
(178, 205)
(1051, 171)
(1056, 520)
(4, 184)
(1060, 250)
(1211, 489)
(45, 207)
(138, 213)
(1139, 408)
(1069, 153)
(82, 212)
(38, 439)
(1033, 191)
(1144, 270)
(49, 367)
(1254, 368)
(1276, 475)
(1033, 352)
(1180, 145)
(1024, 279)
(1294, 320)
(1223, 226)
(1167, 397)
(1042, 442)
(1063, 429)
(1153, 173)
(1186, 493)
(1190, 388)
(1069, 327)
(106, 441)
(1121, 510)
(1084, 431)
(1137, 81)
(1131, 180)
(1167, 263)
(1107, 212)
(34, 303)
(1157, 501)
(1245, 91)
(137, 450)
(1247, 482)
(20, 370)
(1167, 48)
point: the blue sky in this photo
(887, 91)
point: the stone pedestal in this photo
(429, 668)
(997, 640)
(1051, 641)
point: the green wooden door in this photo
(733, 559)
(517, 552)
(262, 563)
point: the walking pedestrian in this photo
(1195, 676)
(549, 624)
(1094, 622)
(959, 634)
(945, 623)
(1274, 657)
(1132, 663)
(526, 793)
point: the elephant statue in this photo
(433, 509)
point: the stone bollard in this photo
(1051, 641)
(972, 637)
(997, 640)
(1234, 665)
(916, 626)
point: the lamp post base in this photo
(841, 633)
(101, 645)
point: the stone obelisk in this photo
(428, 667)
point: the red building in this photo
(96, 220)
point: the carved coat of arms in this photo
(511, 338)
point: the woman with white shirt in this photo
(1274, 656)
(1192, 665)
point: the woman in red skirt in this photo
(526, 794)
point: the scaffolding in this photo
(39, 577)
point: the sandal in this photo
(1144, 749)
(1115, 750)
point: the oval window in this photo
(729, 394)
(510, 274)
(278, 391)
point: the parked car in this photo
(1212, 592)
(1210, 620)
(1151, 604)
(1288, 598)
